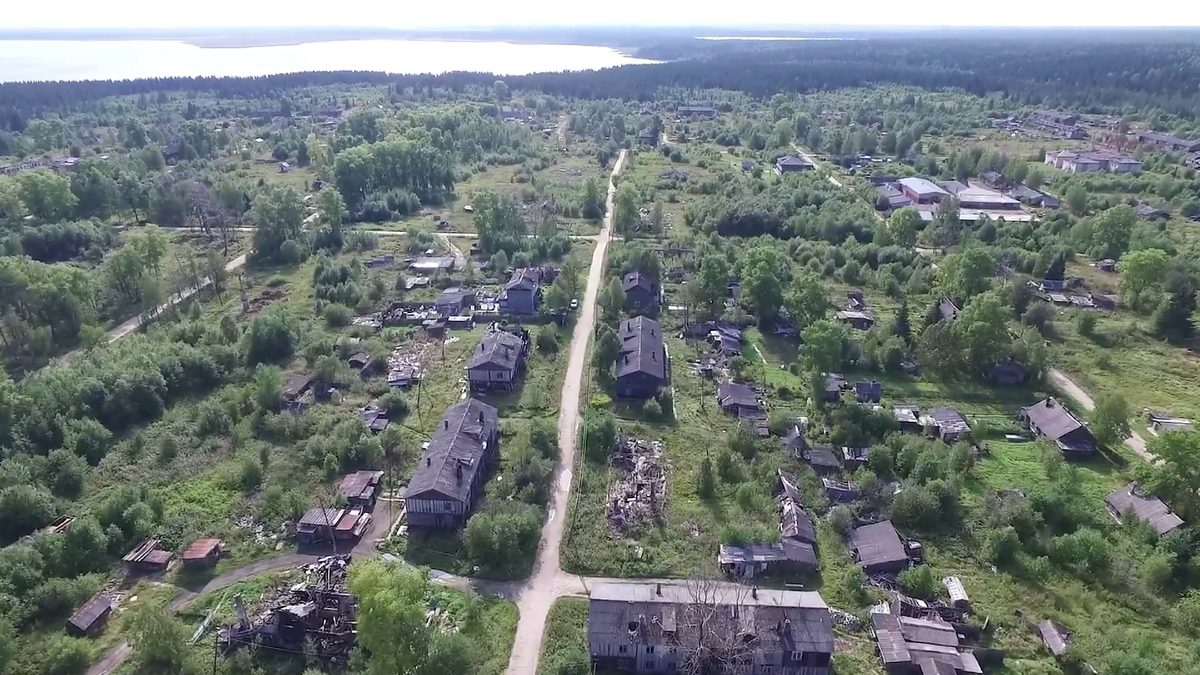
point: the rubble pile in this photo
(317, 616)
(640, 491)
(405, 362)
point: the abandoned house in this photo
(1056, 637)
(947, 424)
(1006, 374)
(498, 362)
(361, 488)
(834, 382)
(645, 627)
(89, 619)
(325, 525)
(1161, 422)
(795, 442)
(146, 558)
(641, 293)
(792, 164)
(738, 399)
(1145, 507)
(926, 646)
(947, 310)
(746, 561)
(361, 363)
(641, 367)
(452, 470)
(907, 416)
(297, 386)
(877, 548)
(454, 302)
(523, 292)
(823, 460)
(1049, 419)
(868, 392)
(838, 491)
(853, 458)
(856, 319)
(794, 521)
(202, 553)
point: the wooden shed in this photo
(202, 553)
(91, 617)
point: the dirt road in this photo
(538, 594)
(1135, 442)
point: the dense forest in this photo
(1089, 71)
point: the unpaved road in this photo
(539, 592)
(1135, 442)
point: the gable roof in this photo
(637, 280)
(525, 279)
(780, 551)
(877, 544)
(200, 549)
(1051, 419)
(730, 394)
(1146, 508)
(922, 186)
(94, 609)
(360, 484)
(500, 349)
(642, 349)
(794, 521)
(460, 441)
(949, 420)
(823, 456)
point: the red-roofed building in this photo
(202, 553)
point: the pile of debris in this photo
(640, 491)
(405, 362)
(317, 617)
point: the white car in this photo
(574, 303)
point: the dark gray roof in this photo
(781, 551)
(823, 456)
(93, 610)
(322, 517)
(525, 278)
(949, 420)
(731, 394)
(642, 348)
(795, 439)
(637, 280)
(1051, 419)
(948, 309)
(932, 645)
(794, 521)
(877, 544)
(654, 609)
(1056, 637)
(1146, 508)
(498, 349)
(459, 441)
(792, 160)
(453, 296)
(868, 391)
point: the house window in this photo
(649, 665)
(796, 656)
(622, 649)
(650, 649)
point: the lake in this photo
(130, 59)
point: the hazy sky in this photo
(482, 13)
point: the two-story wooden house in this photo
(498, 361)
(452, 470)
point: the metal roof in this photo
(1146, 508)
(322, 517)
(1056, 637)
(922, 186)
(642, 349)
(637, 280)
(498, 348)
(525, 278)
(949, 420)
(93, 610)
(877, 544)
(1051, 419)
(201, 549)
(458, 445)
(730, 394)
(360, 484)
(780, 551)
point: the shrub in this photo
(276, 281)
(841, 518)
(652, 410)
(1001, 546)
(1085, 323)
(250, 475)
(706, 485)
(547, 339)
(395, 404)
(918, 581)
(543, 436)
(338, 316)
(503, 540)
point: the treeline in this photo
(1049, 69)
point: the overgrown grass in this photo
(566, 635)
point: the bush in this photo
(338, 316)
(395, 404)
(68, 656)
(547, 339)
(1085, 323)
(918, 581)
(841, 518)
(599, 436)
(250, 475)
(706, 485)
(543, 436)
(652, 410)
(1001, 546)
(504, 540)
(1040, 316)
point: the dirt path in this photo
(1059, 379)
(460, 260)
(538, 594)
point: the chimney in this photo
(445, 424)
(458, 472)
(754, 592)
(1050, 402)
(626, 355)
(481, 417)
(654, 356)
(787, 625)
(428, 461)
(658, 589)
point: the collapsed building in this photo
(317, 617)
(639, 492)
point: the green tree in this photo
(965, 275)
(278, 214)
(1036, 179)
(808, 300)
(1076, 199)
(823, 341)
(68, 656)
(1175, 477)
(25, 509)
(656, 217)
(1173, 319)
(8, 643)
(159, 641)
(504, 539)
(46, 195)
(1142, 275)
(708, 292)
(901, 327)
(1110, 420)
(763, 268)
(608, 348)
(902, 227)
(983, 329)
(625, 212)
(592, 206)
(1112, 230)
(612, 300)
(499, 222)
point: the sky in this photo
(82, 14)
